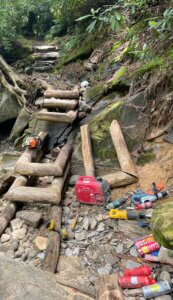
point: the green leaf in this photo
(91, 26)
(153, 23)
(117, 15)
(83, 18)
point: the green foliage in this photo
(150, 67)
(164, 24)
(109, 16)
(145, 158)
(21, 16)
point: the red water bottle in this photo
(145, 205)
(135, 282)
(140, 271)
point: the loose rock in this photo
(119, 248)
(19, 233)
(107, 269)
(79, 236)
(31, 218)
(41, 242)
(164, 275)
(16, 224)
(5, 238)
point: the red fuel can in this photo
(133, 282)
(141, 271)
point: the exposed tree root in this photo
(12, 82)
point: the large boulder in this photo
(162, 224)
(9, 107)
(21, 123)
(21, 281)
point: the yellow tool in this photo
(126, 214)
(118, 214)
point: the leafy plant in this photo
(110, 16)
(165, 24)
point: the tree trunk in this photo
(87, 151)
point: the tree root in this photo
(12, 82)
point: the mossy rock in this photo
(20, 49)
(162, 224)
(118, 82)
(99, 127)
(93, 94)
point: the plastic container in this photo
(141, 271)
(148, 249)
(146, 240)
(157, 289)
(134, 282)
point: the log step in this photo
(64, 94)
(45, 56)
(43, 68)
(45, 48)
(49, 195)
(41, 63)
(57, 103)
(69, 117)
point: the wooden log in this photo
(87, 151)
(45, 56)
(52, 253)
(57, 117)
(38, 169)
(45, 48)
(56, 215)
(57, 103)
(51, 195)
(118, 179)
(6, 183)
(50, 261)
(123, 154)
(9, 210)
(64, 94)
(32, 194)
(107, 288)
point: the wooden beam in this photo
(69, 117)
(123, 154)
(87, 151)
(52, 253)
(9, 210)
(65, 94)
(43, 169)
(57, 103)
(45, 56)
(50, 261)
(45, 48)
(107, 288)
(50, 195)
(118, 179)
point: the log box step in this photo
(57, 103)
(44, 48)
(69, 117)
